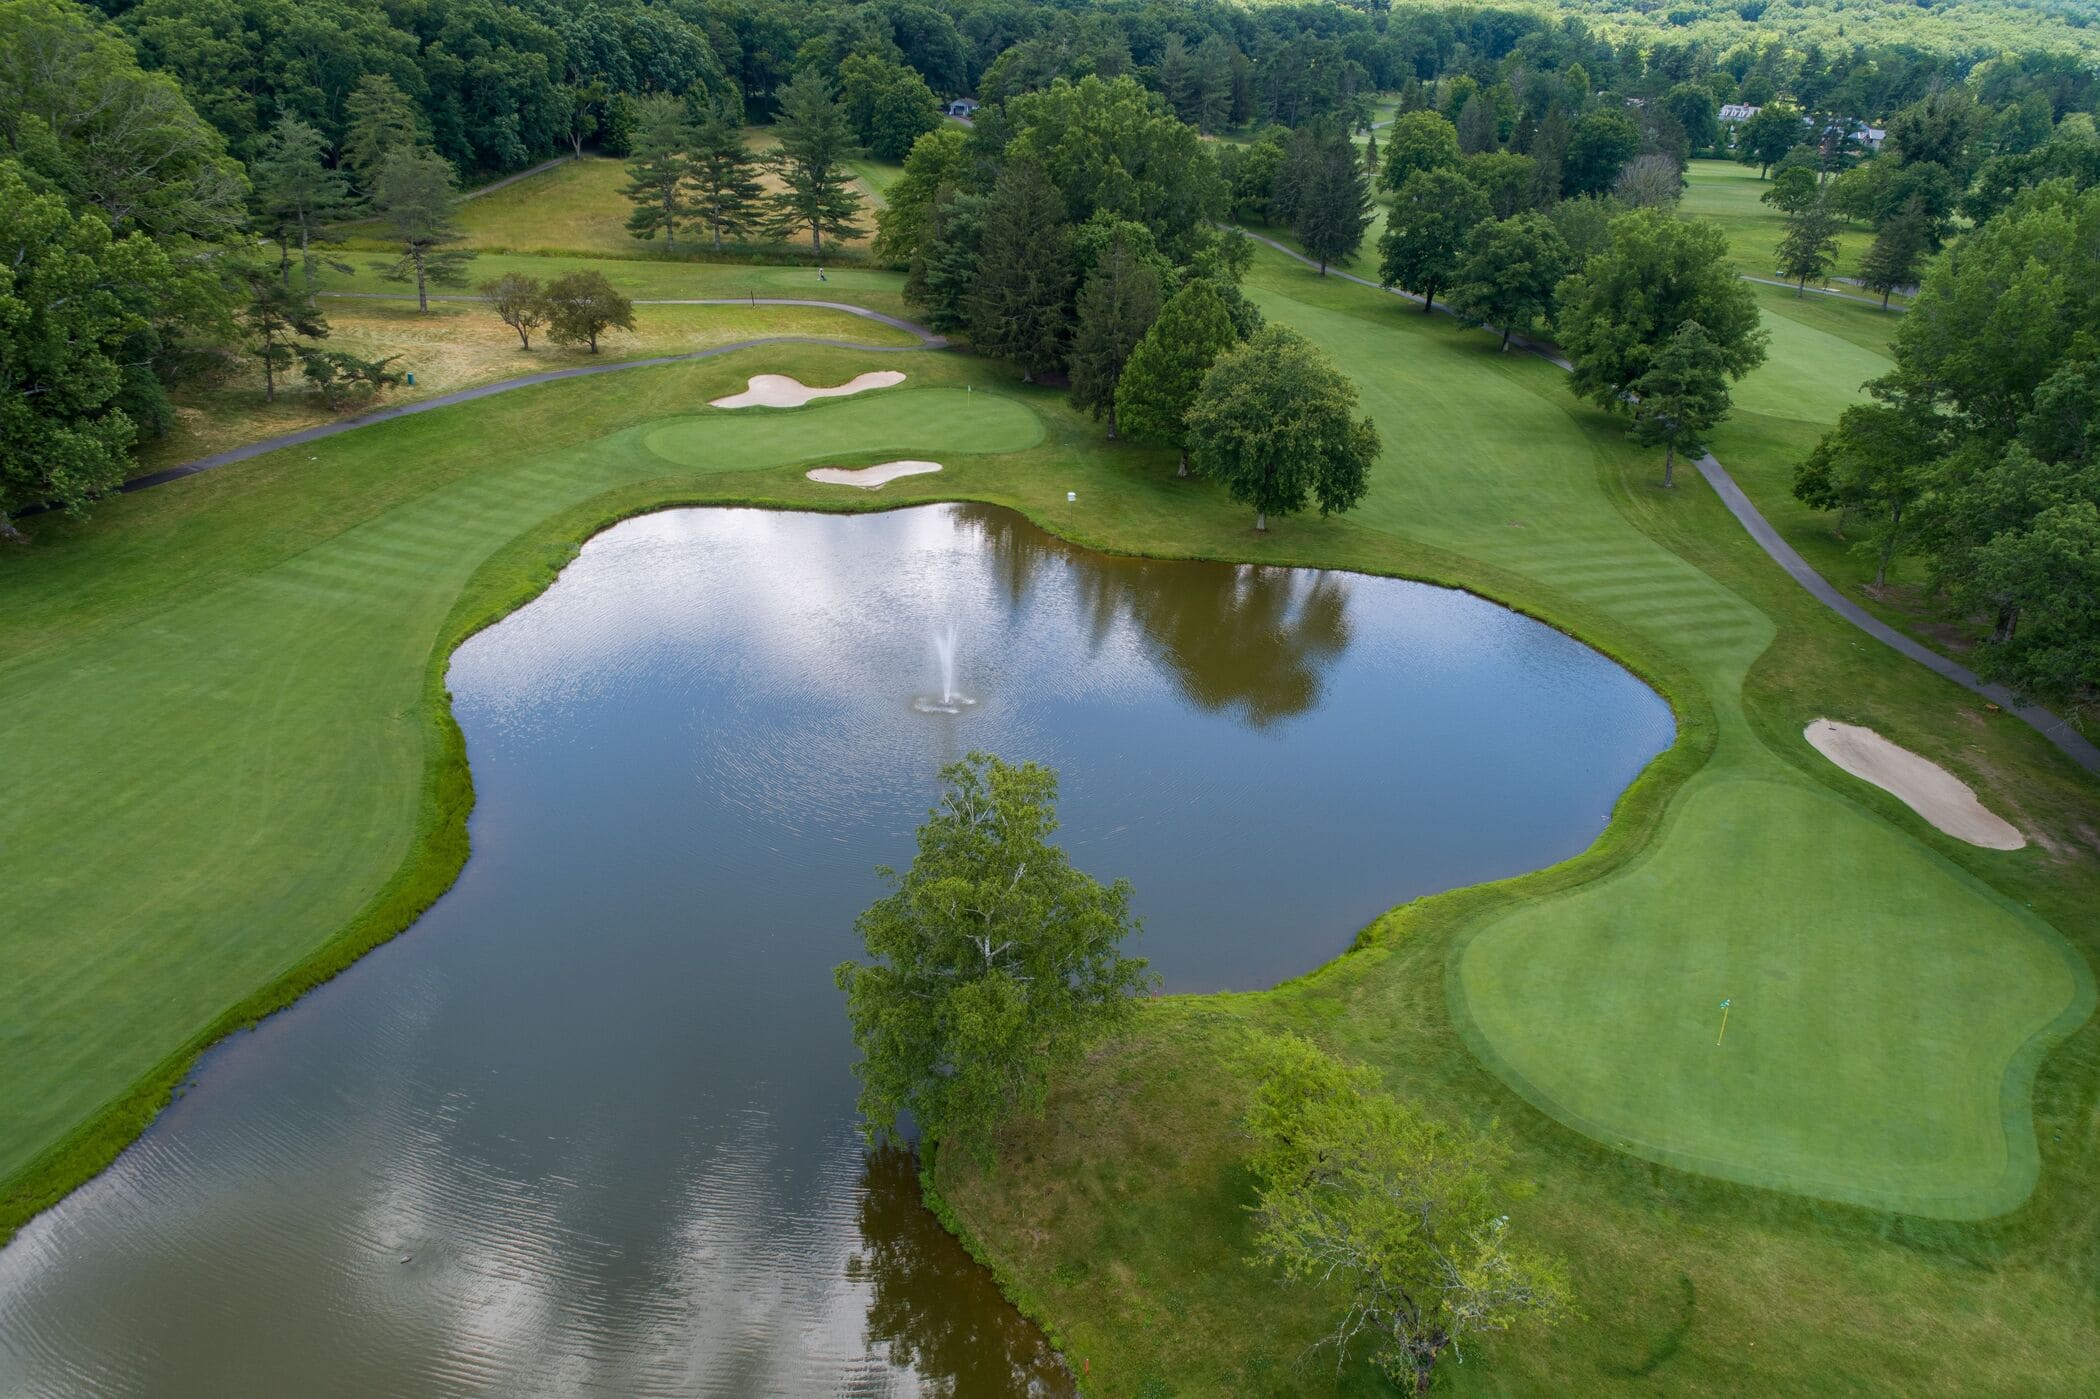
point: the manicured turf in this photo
(235, 770)
(1121, 1216)
(1877, 997)
(576, 208)
(660, 279)
(1731, 195)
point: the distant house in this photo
(1851, 134)
(1733, 112)
(964, 107)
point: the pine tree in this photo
(1898, 251)
(1333, 205)
(1117, 306)
(727, 196)
(1166, 369)
(1371, 153)
(659, 179)
(416, 195)
(1810, 246)
(1476, 125)
(1214, 84)
(1021, 306)
(297, 193)
(274, 315)
(944, 264)
(810, 162)
(1681, 396)
(381, 121)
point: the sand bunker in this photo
(869, 478)
(1923, 785)
(784, 391)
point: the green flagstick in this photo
(1724, 1024)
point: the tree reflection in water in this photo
(1240, 639)
(933, 1307)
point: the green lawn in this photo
(1729, 194)
(235, 772)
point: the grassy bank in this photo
(294, 791)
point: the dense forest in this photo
(166, 165)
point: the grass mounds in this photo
(887, 424)
(1885, 1009)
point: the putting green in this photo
(1885, 1009)
(891, 421)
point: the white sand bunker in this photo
(785, 391)
(868, 478)
(1927, 788)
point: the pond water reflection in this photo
(587, 1128)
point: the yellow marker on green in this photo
(1724, 1024)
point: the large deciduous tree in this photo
(1766, 137)
(583, 305)
(1274, 424)
(1659, 272)
(815, 140)
(991, 963)
(939, 160)
(1021, 305)
(1402, 1216)
(1426, 230)
(1116, 307)
(1166, 370)
(1875, 464)
(416, 195)
(73, 301)
(1507, 275)
(519, 301)
(1419, 141)
(888, 105)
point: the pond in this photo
(587, 1128)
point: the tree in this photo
(416, 195)
(1333, 202)
(381, 121)
(583, 305)
(1161, 379)
(810, 162)
(939, 160)
(1478, 131)
(1810, 246)
(1680, 398)
(1696, 112)
(991, 963)
(1510, 268)
(1898, 252)
(1419, 141)
(1659, 272)
(1405, 1215)
(1794, 188)
(1426, 231)
(519, 301)
(944, 267)
(1599, 145)
(726, 194)
(1116, 307)
(72, 299)
(1649, 181)
(1762, 140)
(1507, 180)
(887, 104)
(1272, 423)
(345, 380)
(2052, 566)
(659, 178)
(296, 192)
(273, 316)
(1876, 462)
(1021, 306)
